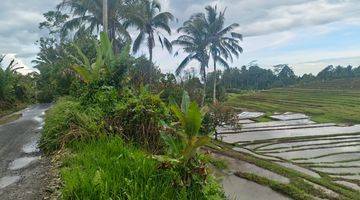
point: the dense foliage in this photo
(15, 88)
(111, 104)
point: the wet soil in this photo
(24, 173)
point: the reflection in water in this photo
(8, 180)
(22, 162)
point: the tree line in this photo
(254, 77)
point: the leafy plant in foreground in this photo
(184, 140)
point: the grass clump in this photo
(108, 169)
(68, 121)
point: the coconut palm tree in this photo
(150, 21)
(89, 14)
(223, 41)
(194, 43)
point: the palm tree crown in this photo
(149, 20)
(205, 36)
(88, 15)
(194, 43)
(222, 40)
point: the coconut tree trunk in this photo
(105, 16)
(204, 95)
(112, 37)
(150, 54)
(215, 79)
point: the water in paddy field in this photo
(288, 133)
(292, 137)
(239, 188)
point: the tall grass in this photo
(68, 121)
(109, 169)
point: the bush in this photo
(219, 115)
(138, 118)
(103, 97)
(68, 121)
(109, 169)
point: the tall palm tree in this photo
(223, 41)
(194, 43)
(89, 14)
(150, 21)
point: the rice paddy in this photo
(313, 133)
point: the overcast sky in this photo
(307, 34)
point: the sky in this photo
(306, 34)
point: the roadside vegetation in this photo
(126, 130)
(16, 90)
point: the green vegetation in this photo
(109, 169)
(340, 106)
(102, 166)
(205, 36)
(16, 90)
(164, 157)
(67, 122)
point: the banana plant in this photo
(188, 139)
(106, 62)
(7, 79)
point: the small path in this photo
(23, 172)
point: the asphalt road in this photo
(22, 169)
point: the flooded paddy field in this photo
(313, 151)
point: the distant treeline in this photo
(257, 78)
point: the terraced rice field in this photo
(339, 106)
(326, 152)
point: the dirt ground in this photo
(24, 171)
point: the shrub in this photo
(109, 169)
(138, 118)
(219, 115)
(183, 139)
(68, 121)
(103, 97)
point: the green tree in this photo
(7, 80)
(88, 16)
(223, 41)
(194, 43)
(149, 20)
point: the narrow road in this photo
(23, 172)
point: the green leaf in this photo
(174, 146)
(185, 102)
(162, 158)
(193, 120)
(84, 73)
